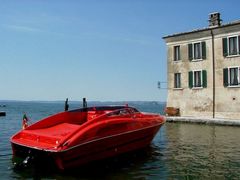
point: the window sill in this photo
(232, 56)
(196, 88)
(177, 88)
(236, 86)
(196, 60)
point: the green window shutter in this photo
(203, 50)
(238, 44)
(190, 79)
(225, 47)
(190, 53)
(179, 58)
(225, 77)
(204, 80)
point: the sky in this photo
(104, 50)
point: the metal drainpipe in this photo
(213, 68)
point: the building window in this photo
(197, 79)
(177, 80)
(231, 46)
(231, 77)
(176, 53)
(197, 51)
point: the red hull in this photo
(71, 145)
(105, 147)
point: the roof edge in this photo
(203, 29)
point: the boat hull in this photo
(95, 149)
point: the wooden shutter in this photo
(225, 77)
(190, 52)
(190, 79)
(225, 47)
(238, 44)
(203, 50)
(204, 80)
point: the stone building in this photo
(204, 70)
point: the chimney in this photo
(214, 19)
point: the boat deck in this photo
(47, 137)
(60, 130)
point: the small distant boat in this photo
(79, 136)
(2, 113)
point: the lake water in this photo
(179, 151)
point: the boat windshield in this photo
(122, 112)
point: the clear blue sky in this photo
(99, 49)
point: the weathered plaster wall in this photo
(227, 98)
(199, 102)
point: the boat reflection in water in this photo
(77, 137)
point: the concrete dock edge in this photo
(203, 120)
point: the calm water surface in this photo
(179, 151)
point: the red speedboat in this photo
(76, 137)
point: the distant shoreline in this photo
(79, 101)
